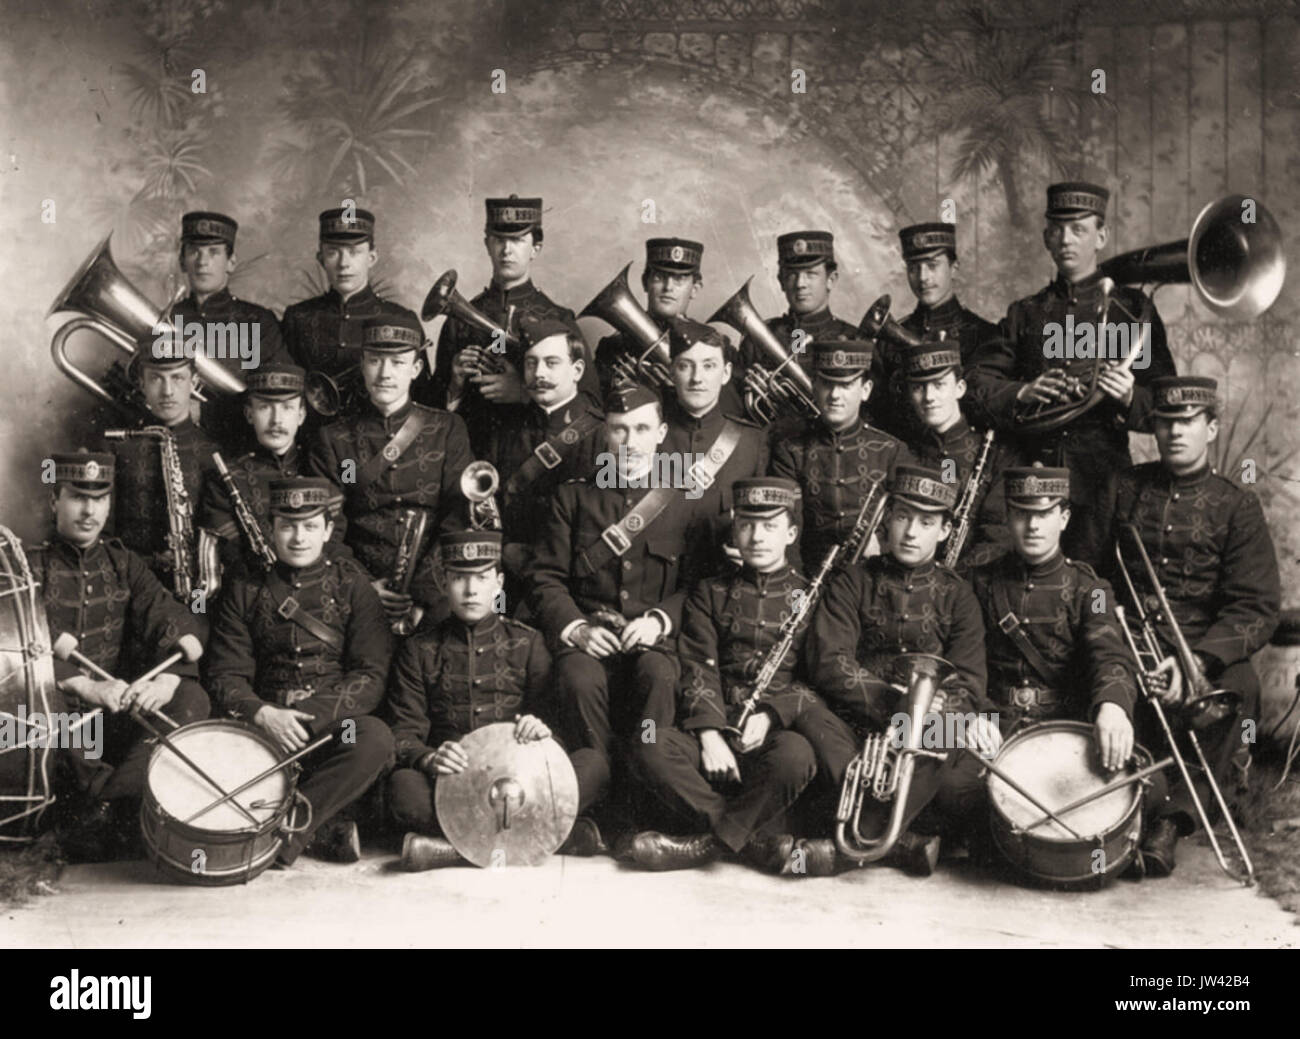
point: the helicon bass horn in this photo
(615, 305)
(478, 484)
(444, 299)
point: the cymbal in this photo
(514, 805)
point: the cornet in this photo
(479, 483)
(615, 305)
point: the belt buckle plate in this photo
(1009, 623)
(288, 608)
(702, 477)
(1024, 696)
(614, 537)
(547, 455)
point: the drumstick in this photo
(1026, 794)
(261, 776)
(1102, 791)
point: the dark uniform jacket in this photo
(258, 657)
(122, 617)
(872, 612)
(481, 416)
(140, 506)
(1212, 552)
(1066, 612)
(320, 333)
(223, 415)
(835, 471)
(426, 475)
(730, 623)
(454, 678)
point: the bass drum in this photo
(1057, 763)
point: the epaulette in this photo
(511, 622)
(1085, 568)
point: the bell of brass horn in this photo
(616, 306)
(330, 395)
(444, 299)
(478, 485)
(876, 323)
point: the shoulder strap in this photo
(391, 451)
(1010, 625)
(705, 471)
(290, 609)
(618, 537)
(551, 452)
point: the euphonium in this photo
(479, 483)
(444, 299)
(615, 305)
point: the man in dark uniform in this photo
(103, 594)
(301, 651)
(1214, 558)
(944, 440)
(463, 377)
(899, 602)
(837, 458)
(730, 625)
(321, 333)
(474, 669)
(393, 456)
(607, 581)
(1013, 370)
(930, 253)
(242, 336)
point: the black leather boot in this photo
(420, 853)
(1158, 848)
(658, 851)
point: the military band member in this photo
(302, 651)
(1011, 368)
(243, 335)
(1215, 560)
(607, 582)
(730, 624)
(392, 456)
(899, 602)
(103, 594)
(837, 458)
(463, 381)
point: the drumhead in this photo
(229, 753)
(1057, 763)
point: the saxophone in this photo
(412, 525)
(180, 518)
(964, 514)
(244, 515)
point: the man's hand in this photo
(757, 726)
(716, 760)
(466, 364)
(529, 728)
(105, 694)
(984, 737)
(1118, 383)
(396, 604)
(501, 388)
(1166, 682)
(644, 631)
(284, 725)
(1114, 734)
(595, 640)
(448, 759)
(1051, 386)
(154, 695)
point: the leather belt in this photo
(1027, 697)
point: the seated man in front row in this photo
(729, 626)
(303, 650)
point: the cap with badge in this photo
(161, 347)
(513, 216)
(628, 396)
(923, 488)
(87, 471)
(675, 255)
(765, 496)
(921, 241)
(532, 330)
(841, 360)
(392, 333)
(684, 333)
(1072, 199)
(301, 497)
(931, 360)
(204, 228)
(276, 381)
(345, 226)
(470, 550)
(805, 248)
(1037, 487)
(1182, 396)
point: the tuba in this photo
(121, 313)
(786, 386)
(615, 305)
(479, 483)
(444, 299)
(883, 771)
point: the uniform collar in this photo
(365, 295)
(811, 322)
(303, 572)
(479, 629)
(555, 418)
(954, 433)
(398, 416)
(1074, 291)
(1043, 569)
(507, 297)
(281, 462)
(1188, 479)
(831, 436)
(893, 566)
(762, 581)
(217, 301)
(74, 552)
(946, 311)
(709, 420)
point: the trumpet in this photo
(479, 483)
(615, 305)
(786, 386)
(444, 299)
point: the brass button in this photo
(1029, 584)
(622, 594)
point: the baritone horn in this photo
(616, 306)
(444, 299)
(479, 483)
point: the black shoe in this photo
(420, 853)
(337, 840)
(916, 854)
(658, 851)
(584, 839)
(1158, 848)
(772, 853)
(90, 835)
(817, 857)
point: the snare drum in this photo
(196, 844)
(1057, 763)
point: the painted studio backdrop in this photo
(635, 118)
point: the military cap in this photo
(765, 496)
(1075, 198)
(204, 228)
(513, 215)
(88, 471)
(924, 240)
(1037, 487)
(684, 333)
(276, 381)
(163, 347)
(532, 330)
(1182, 396)
(628, 396)
(841, 360)
(805, 248)
(392, 333)
(470, 550)
(676, 255)
(931, 360)
(301, 496)
(345, 226)
(923, 488)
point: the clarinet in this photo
(244, 515)
(965, 511)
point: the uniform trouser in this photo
(601, 700)
(771, 779)
(953, 785)
(340, 772)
